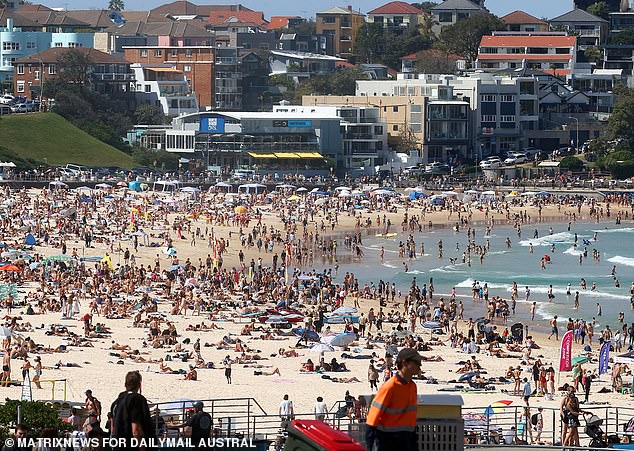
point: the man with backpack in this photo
(537, 421)
(131, 415)
(200, 424)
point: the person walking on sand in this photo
(130, 414)
(554, 331)
(227, 363)
(286, 412)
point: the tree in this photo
(599, 9)
(116, 5)
(463, 38)
(434, 61)
(625, 37)
(621, 121)
(369, 43)
(147, 114)
(425, 6)
(75, 68)
(570, 162)
(374, 44)
(36, 414)
(593, 54)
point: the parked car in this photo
(413, 170)
(515, 158)
(19, 108)
(491, 163)
(6, 99)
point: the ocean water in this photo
(503, 266)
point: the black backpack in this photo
(534, 419)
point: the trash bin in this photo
(314, 435)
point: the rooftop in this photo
(457, 4)
(224, 17)
(339, 10)
(305, 55)
(520, 17)
(54, 54)
(277, 22)
(396, 8)
(577, 15)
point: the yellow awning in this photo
(309, 155)
(261, 155)
(286, 155)
(162, 69)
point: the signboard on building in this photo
(488, 130)
(293, 123)
(212, 124)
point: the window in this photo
(10, 46)
(20, 69)
(188, 53)
(74, 44)
(58, 44)
(395, 128)
(394, 109)
(488, 97)
(328, 19)
(378, 19)
(187, 68)
(445, 17)
(148, 88)
(489, 50)
(30, 45)
(488, 118)
(507, 118)
(158, 52)
(515, 50)
(20, 86)
(378, 130)
(174, 52)
(52, 69)
(36, 76)
(143, 53)
(562, 51)
(507, 98)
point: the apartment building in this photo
(212, 73)
(553, 53)
(164, 86)
(451, 11)
(343, 25)
(397, 16)
(591, 31)
(17, 43)
(108, 75)
(363, 133)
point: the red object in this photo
(565, 353)
(324, 436)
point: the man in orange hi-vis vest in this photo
(392, 417)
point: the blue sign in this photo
(212, 124)
(300, 123)
(604, 358)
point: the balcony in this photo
(361, 136)
(125, 77)
(346, 24)
(226, 61)
(588, 33)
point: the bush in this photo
(570, 162)
(622, 170)
(35, 414)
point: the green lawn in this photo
(49, 138)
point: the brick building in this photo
(195, 62)
(108, 75)
(342, 24)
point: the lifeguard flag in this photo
(565, 353)
(604, 358)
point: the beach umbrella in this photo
(580, 359)
(322, 347)
(176, 267)
(466, 376)
(84, 200)
(241, 209)
(497, 406)
(285, 186)
(343, 339)
(321, 201)
(34, 265)
(303, 333)
(344, 194)
(301, 190)
(431, 325)
(10, 268)
(294, 198)
(276, 319)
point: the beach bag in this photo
(630, 426)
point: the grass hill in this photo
(49, 138)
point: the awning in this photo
(309, 155)
(162, 69)
(286, 155)
(261, 155)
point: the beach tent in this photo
(103, 186)
(30, 240)
(57, 185)
(190, 189)
(135, 186)
(252, 187)
(285, 186)
(416, 194)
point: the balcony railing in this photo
(110, 76)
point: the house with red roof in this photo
(397, 16)
(524, 22)
(278, 22)
(236, 20)
(554, 53)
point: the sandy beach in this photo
(102, 369)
